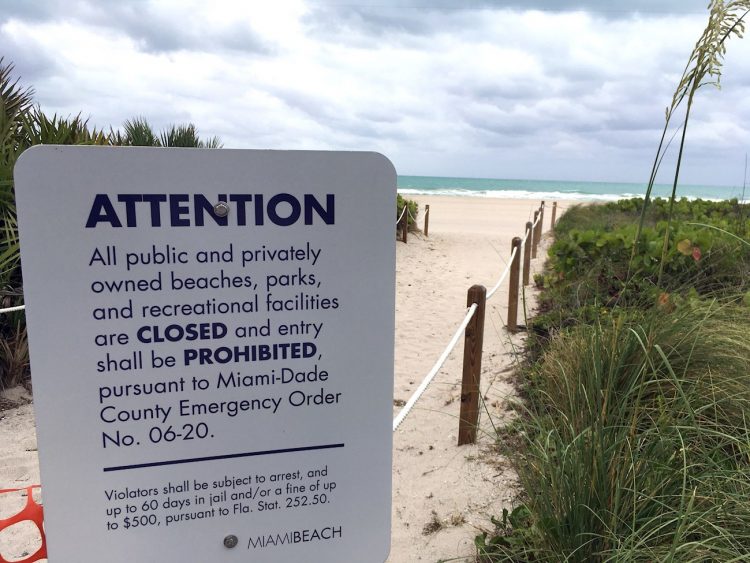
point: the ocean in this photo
(554, 190)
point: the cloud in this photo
(608, 9)
(31, 63)
(445, 87)
(383, 18)
(157, 30)
(29, 11)
(155, 26)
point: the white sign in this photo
(211, 336)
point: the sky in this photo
(532, 89)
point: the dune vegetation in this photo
(632, 441)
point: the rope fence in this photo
(403, 222)
(472, 326)
(435, 369)
(505, 273)
(12, 309)
(403, 211)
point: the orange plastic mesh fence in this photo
(31, 511)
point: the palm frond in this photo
(14, 99)
(180, 136)
(138, 133)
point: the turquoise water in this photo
(552, 190)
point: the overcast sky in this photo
(502, 89)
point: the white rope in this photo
(412, 216)
(527, 233)
(469, 314)
(525, 238)
(538, 217)
(11, 309)
(402, 214)
(433, 372)
(492, 291)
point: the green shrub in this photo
(637, 444)
(413, 209)
(591, 262)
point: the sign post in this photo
(211, 337)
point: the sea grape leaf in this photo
(685, 247)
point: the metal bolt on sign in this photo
(222, 210)
(231, 541)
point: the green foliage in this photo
(413, 209)
(40, 129)
(636, 439)
(513, 533)
(15, 99)
(634, 433)
(637, 442)
(21, 126)
(185, 136)
(592, 265)
(137, 132)
(15, 103)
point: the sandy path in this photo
(439, 487)
(443, 495)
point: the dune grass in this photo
(636, 444)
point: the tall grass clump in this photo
(637, 445)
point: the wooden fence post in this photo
(405, 225)
(533, 235)
(512, 324)
(473, 340)
(541, 220)
(554, 214)
(527, 253)
(538, 230)
(426, 220)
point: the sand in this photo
(443, 495)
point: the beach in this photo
(443, 495)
